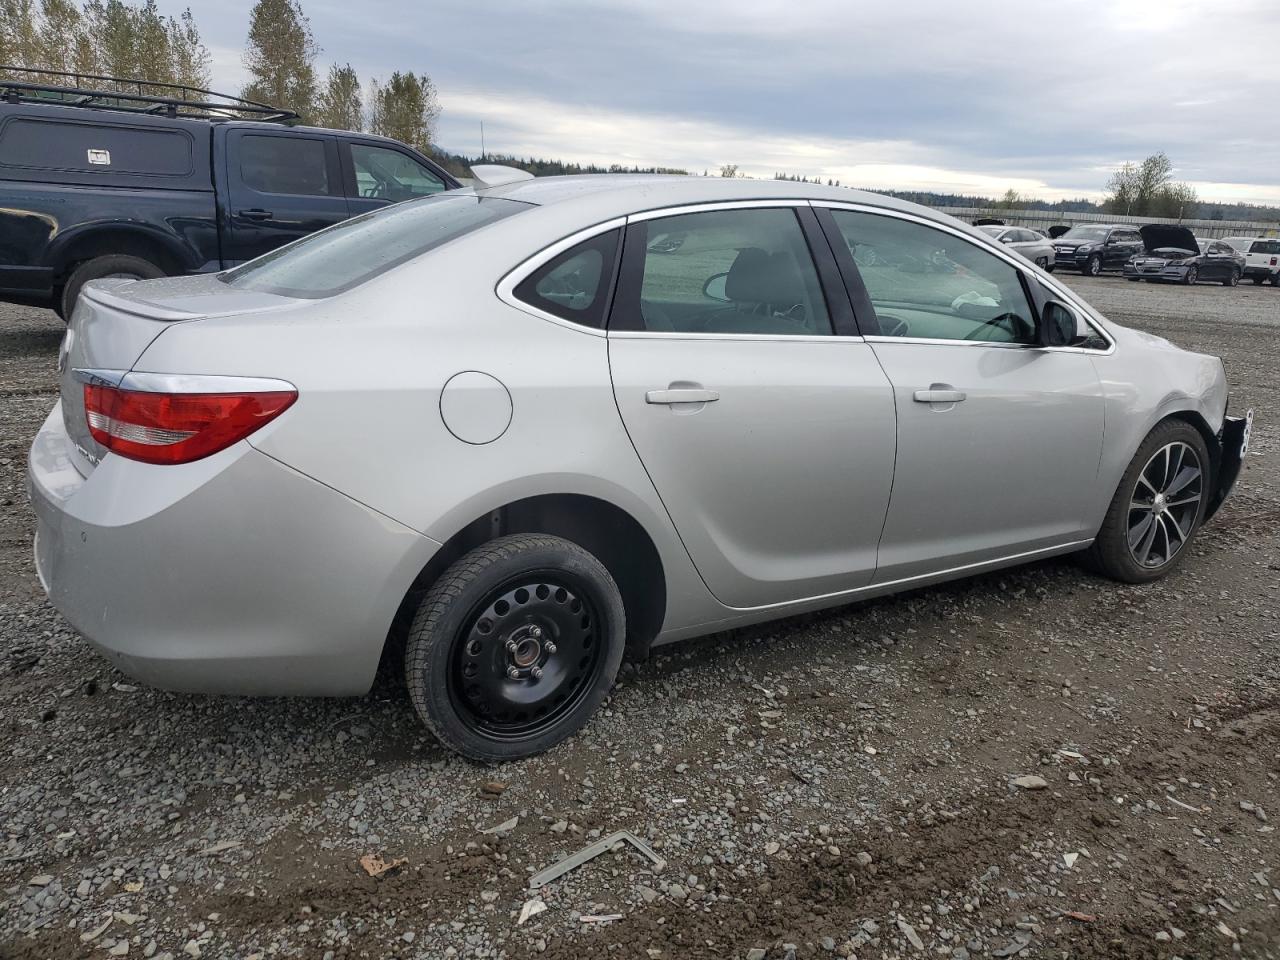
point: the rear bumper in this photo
(29, 285)
(234, 574)
(1234, 438)
(1256, 271)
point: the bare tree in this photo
(729, 170)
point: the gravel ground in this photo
(1034, 763)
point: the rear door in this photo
(763, 419)
(281, 186)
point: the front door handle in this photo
(254, 214)
(939, 396)
(684, 395)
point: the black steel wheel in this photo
(515, 646)
(1157, 508)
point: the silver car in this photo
(1035, 247)
(529, 427)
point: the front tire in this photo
(1157, 508)
(515, 647)
(1192, 276)
(1093, 266)
(113, 265)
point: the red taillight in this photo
(176, 427)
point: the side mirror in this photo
(1006, 239)
(714, 288)
(1058, 325)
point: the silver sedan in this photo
(1036, 248)
(516, 431)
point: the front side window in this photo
(728, 272)
(292, 165)
(383, 174)
(352, 252)
(927, 284)
(574, 285)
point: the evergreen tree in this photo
(280, 57)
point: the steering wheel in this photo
(1013, 327)
(891, 326)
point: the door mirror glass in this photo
(1058, 325)
(1007, 238)
(714, 288)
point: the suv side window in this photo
(743, 271)
(386, 174)
(927, 284)
(291, 165)
(575, 285)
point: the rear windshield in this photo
(355, 251)
(1265, 246)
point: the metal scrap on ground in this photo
(590, 853)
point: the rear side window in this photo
(1265, 246)
(575, 285)
(355, 251)
(293, 165)
(95, 148)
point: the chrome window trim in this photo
(506, 287)
(199, 383)
(1018, 263)
(660, 213)
(771, 337)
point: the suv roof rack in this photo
(173, 99)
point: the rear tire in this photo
(112, 265)
(1114, 552)
(515, 647)
(1232, 280)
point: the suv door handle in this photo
(939, 396)
(254, 214)
(681, 396)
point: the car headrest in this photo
(760, 277)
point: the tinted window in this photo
(95, 148)
(1265, 246)
(928, 284)
(575, 285)
(384, 174)
(728, 271)
(355, 251)
(1026, 236)
(1089, 234)
(294, 165)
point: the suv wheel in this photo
(1157, 508)
(1092, 266)
(1232, 280)
(113, 265)
(515, 646)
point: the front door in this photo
(998, 439)
(769, 438)
(282, 186)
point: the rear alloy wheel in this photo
(1232, 280)
(1157, 508)
(1092, 266)
(1192, 275)
(515, 646)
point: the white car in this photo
(1036, 248)
(1261, 260)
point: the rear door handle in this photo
(685, 395)
(254, 214)
(939, 396)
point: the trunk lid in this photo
(114, 322)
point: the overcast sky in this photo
(964, 95)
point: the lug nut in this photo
(535, 632)
(513, 673)
(511, 646)
(536, 673)
(549, 647)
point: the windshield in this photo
(1085, 233)
(355, 251)
(992, 231)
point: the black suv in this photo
(1094, 247)
(98, 183)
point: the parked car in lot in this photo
(1172, 253)
(113, 185)
(1262, 261)
(504, 416)
(1033, 246)
(1092, 248)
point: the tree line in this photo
(132, 40)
